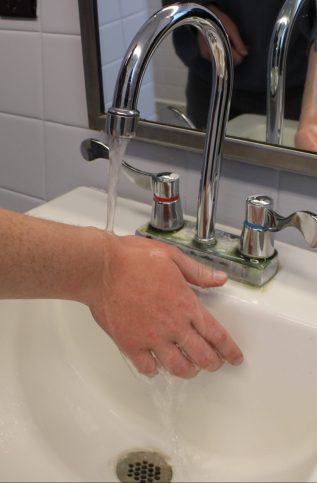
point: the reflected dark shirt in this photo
(255, 21)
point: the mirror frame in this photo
(235, 149)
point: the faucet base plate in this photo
(224, 255)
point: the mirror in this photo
(107, 29)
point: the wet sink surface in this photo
(71, 405)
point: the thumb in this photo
(197, 273)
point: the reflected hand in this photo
(145, 304)
(306, 137)
(238, 47)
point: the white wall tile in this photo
(146, 104)
(66, 169)
(237, 182)
(64, 85)
(22, 162)
(131, 25)
(109, 75)
(60, 16)
(297, 193)
(130, 8)
(154, 6)
(21, 73)
(11, 200)
(108, 12)
(111, 42)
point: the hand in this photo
(306, 137)
(238, 47)
(143, 301)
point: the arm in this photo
(238, 47)
(136, 289)
(306, 135)
(191, 47)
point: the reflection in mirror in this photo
(162, 94)
(176, 87)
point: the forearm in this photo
(309, 103)
(306, 134)
(44, 259)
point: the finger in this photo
(196, 273)
(236, 40)
(214, 333)
(175, 362)
(145, 363)
(237, 57)
(201, 353)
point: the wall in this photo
(43, 119)
(118, 23)
(169, 71)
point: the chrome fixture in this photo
(277, 69)
(174, 116)
(122, 117)
(167, 212)
(262, 222)
(249, 258)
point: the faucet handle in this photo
(261, 221)
(304, 221)
(167, 212)
(92, 149)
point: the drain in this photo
(143, 467)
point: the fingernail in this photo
(238, 360)
(219, 276)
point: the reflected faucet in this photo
(123, 116)
(276, 70)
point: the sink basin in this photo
(253, 126)
(71, 405)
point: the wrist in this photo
(95, 252)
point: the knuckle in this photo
(173, 252)
(180, 367)
(209, 360)
(216, 363)
(144, 364)
(204, 360)
(220, 337)
(183, 371)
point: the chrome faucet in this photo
(249, 258)
(122, 117)
(277, 69)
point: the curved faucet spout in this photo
(122, 117)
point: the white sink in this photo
(70, 404)
(253, 126)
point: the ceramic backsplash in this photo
(43, 119)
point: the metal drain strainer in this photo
(143, 467)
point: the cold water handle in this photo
(257, 239)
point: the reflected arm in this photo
(306, 136)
